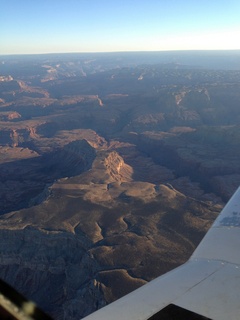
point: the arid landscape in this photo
(112, 169)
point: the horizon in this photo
(124, 52)
(122, 26)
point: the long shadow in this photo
(23, 180)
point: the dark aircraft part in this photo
(13, 306)
(172, 312)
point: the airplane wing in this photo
(205, 287)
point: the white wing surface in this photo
(207, 285)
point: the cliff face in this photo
(52, 268)
(117, 168)
(15, 137)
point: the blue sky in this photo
(44, 26)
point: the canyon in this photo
(111, 172)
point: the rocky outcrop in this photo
(15, 137)
(9, 116)
(117, 168)
(52, 268)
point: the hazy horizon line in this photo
(123, 51)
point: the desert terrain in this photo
(112, 169)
